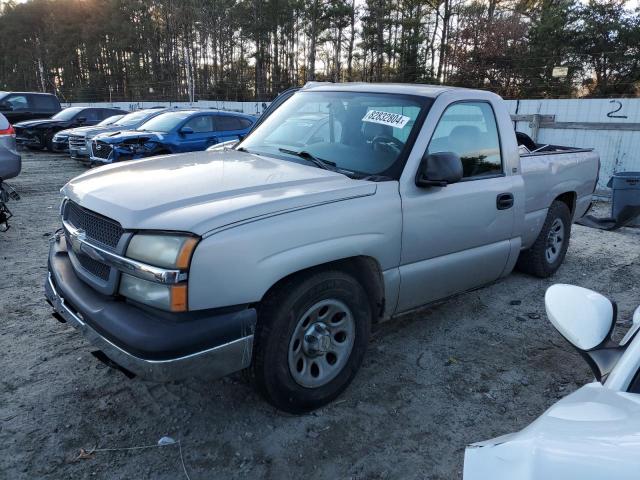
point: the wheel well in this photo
(569, 199)
(364, 269)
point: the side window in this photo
(226, 123)
(17, 102)
(201, 124)
(634, 387)
(244, 123)
(90, 114)
(104, 114)
(469, 130)
(44, 103)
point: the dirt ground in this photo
(480, 365)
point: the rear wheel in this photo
(548, 251)
(310, 340)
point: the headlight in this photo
(133, 147)
(160, 250)
(60, 138)
(165, 297)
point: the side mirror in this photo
(635, 328)
(186, 130)
(7, 107)
(439, 170)
(81, 119)
(586, 320)
(584, 317)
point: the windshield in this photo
(110, 120)
(132, 118)
(165, 122)
(364, 133)
(67, 113)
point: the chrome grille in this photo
(100, 149)
(98, 228)
(92, 266)
(76, 142)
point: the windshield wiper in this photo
(318, 162)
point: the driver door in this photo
(458, 237)
(202, 135)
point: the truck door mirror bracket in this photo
(439, 170)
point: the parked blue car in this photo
(171, 132)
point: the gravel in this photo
(480, 365)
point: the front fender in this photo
(238, 265)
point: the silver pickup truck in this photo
(347, 205)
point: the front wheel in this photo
(310, 340)
(548, 251)
(48, 142)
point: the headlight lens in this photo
(160, 250)
(165, 297)
(167, 251)
(133, 147)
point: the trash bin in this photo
(626, 195)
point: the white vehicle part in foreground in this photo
(581, 316)
(592, 434)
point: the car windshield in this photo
(132, 118)
(165, 122)
(363, 133)
(110, 120)
(67, 113)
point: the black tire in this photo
(48, 142)
(535, 260)
(279, 316)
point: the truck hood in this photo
(120, 136)
(89, 130)
(204, 191)
(38, 123)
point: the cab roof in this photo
(420, 89)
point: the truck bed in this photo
(550, 171)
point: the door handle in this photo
(504, 201)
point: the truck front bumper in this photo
(145, 342)
(81, 154)
(27, 140)
(60, 147)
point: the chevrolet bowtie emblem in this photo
(77, 238)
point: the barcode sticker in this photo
(394, 120)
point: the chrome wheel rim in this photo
(321, 343)
(555, 239)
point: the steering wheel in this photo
(386, 141)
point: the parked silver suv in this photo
(10, 161)
(10, 165)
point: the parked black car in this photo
(38, 134)
(20, 106)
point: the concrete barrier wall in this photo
(610, 126)
(253, 108)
